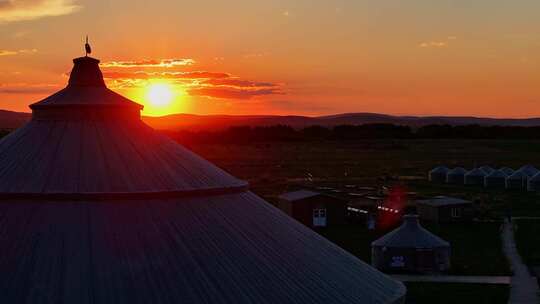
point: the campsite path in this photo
(453, 279)
(524, 288)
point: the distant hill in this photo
(10, 120)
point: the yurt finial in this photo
(87, 48)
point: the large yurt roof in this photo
(97, 207)
(410, 235)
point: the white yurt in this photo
(456, 176)
(475, 177)
(438, 174)
(530, 170)
(496, 179)
(517, 181)
(487, 169)
(507, 171)
(533, 184)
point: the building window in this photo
(456, 212)
(319, 217)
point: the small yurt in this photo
(530, 170)
(507, 171)
(410, 248)
(533, 184)
(496, 180)
(438, 174)
(487, 169)
(517, 181)
(456, 176)
(475, 177)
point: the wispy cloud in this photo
(21, 10)
(26, 88)
(16, 52)
(151, 63)
(240, 83)
(164, 75)
(231, 93)
(433, 44)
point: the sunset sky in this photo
(305, 57)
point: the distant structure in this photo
(97, 207)
(517, 181)
(487, 169)
(533, 184)
(456, 176)
(507, 171)
(496, 180)
(443, 209)
(530, 170)
(438, 174)
(313, 209)
(410, 248)
(475, 177)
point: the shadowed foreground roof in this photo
(96, 207)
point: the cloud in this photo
(165, 63)
(231, 93)
(25, 88)
(16, 52)
(433, 44)
(163, 75)
(21, 10)
(236, 82)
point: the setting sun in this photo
(159, 95)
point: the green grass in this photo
(476, 247)
(527, 235)
(451, 293)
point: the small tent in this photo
(475, 177)
(456, 176)
(530, 170)
(507, 171)
(496, 179)
(517, 181)
(438, 174)
(533, 184)
(487, 169)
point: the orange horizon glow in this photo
(303, 58)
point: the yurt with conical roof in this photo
(438, 174)
(410, 249)
(487, 169)
(475, 177)
(97, 207)
(517, 180)
(508, 171)
(456, 176)
(530, 170)
(533, 184)
(496, 180)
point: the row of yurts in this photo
(526, 177)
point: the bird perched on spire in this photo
(87, 47)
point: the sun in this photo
(159, 95)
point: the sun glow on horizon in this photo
(159, 95)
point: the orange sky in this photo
(306, 57)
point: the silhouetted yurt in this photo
(487, 169)
(475, 177)
(456, 176)
(438, 174)
(97, 207)
(507, 171)
(517, 181)
(496, 180)
(410, 248)
(530, 170)
(533, 184)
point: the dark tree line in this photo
(281, 133)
